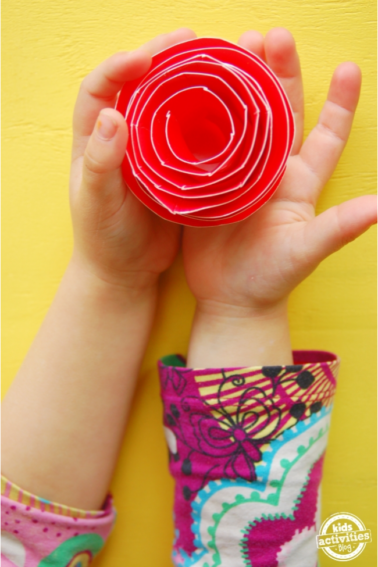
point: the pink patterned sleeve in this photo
(246, 450)
(39, 533)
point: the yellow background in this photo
(48, 47)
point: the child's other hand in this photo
(252, 266)
(116, 237)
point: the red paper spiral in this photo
(211, 130)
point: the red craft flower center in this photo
(198, 126)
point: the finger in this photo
(254, 42)
(101, 173)
(165, 40)
(99, 89)
(282, 57)
(338, 226)
(323, 147)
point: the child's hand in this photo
(116, 237)
(74, 389)
(253, 265)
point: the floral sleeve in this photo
(39, 533)
(246, 449)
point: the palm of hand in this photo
(257, 262)
(249, 263)
(124, 236)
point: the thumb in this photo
(338, 226)
(101, 175)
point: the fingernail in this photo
(106, 128)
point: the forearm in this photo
(246, 424)
(236, 336)
(65, 413)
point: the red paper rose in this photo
(211, 130)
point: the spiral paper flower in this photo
(211, 130)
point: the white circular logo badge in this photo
(343, 536)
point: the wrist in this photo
(128, 285)
(235, 336)
(106, 298)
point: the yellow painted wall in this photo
(48, 47)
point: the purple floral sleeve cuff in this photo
(246, 448)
